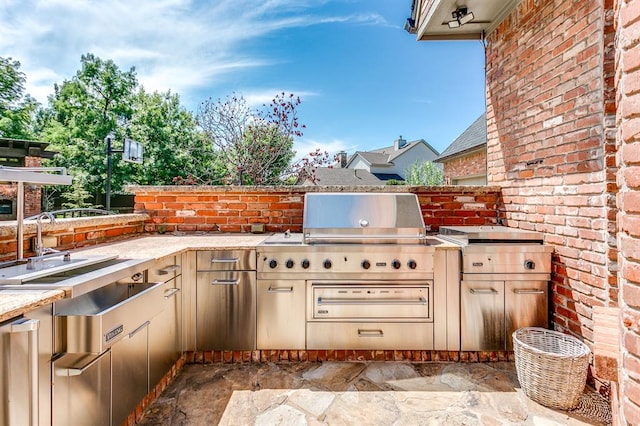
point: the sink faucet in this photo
(40, 249)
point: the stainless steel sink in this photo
(96, 320)
(22, 271)
(80, 277)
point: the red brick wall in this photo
(73, 233)
(548, 88)
(234, 209)
(32, 195)
(474, 164)
(628, 136)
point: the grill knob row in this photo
(366, 264)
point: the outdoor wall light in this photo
(460, 17)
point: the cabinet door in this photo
(482, 325)
(82, 391)
(130, 378)
(281, 314)
(226, 310)
(526, 305)
(165, 333)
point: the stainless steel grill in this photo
(367, 268)
(505, 278)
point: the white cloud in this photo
(177, 44)
(305, 146)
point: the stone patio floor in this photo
(360, 393)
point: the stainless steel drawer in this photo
(226, 260)
(369, 335)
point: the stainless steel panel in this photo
(400, 302)
(226, 310)
(526, 305)
(165, 333)
(370, 335)
(226, 260)
(130, 372)
(281, 314)
(25, 368)
(469, 234)
(482, 321)
(82, 391)
(506, 258)
(446, 297)
(96, 320)
(165, 269)
(189, 301)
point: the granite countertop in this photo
(159, 246)
(14, 303)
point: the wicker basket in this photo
(551, 366)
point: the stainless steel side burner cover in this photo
(362, 218)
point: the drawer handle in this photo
(78, 371)
(168, 269)
(171, 292)
(528, 291)
(370, 333)
(140, 328)
(280, 290)
(229, 260)
(225, 282)
(483, 291)
(418, 301)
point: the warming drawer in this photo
(370, 335)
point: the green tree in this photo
(17, 109)
(96, 102)
(171, 141)
(425, 174)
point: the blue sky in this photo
(362, 79)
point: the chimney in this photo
(342, 159)
(399, 143)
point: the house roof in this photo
(385, 156)
(343, 176)
(473, 137)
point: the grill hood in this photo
(379, 218)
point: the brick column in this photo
(627, 81)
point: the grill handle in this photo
(418, 301)
(168, 269)
(483, 291)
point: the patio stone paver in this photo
(358, 393)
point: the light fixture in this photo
(460, 17)
(410, 26)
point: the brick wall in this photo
(72, 233)
(473, 164)
(627, 81)
(548, 90)
(235, 209)
(32, 195)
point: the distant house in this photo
(393, 160)
(375, 167)
(465, 160)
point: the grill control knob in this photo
(395, 264)
(327, 264)
(289, 264)
(366, 264)
(412, 264)
(304, 263)
(273, 263)
(529, 264)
